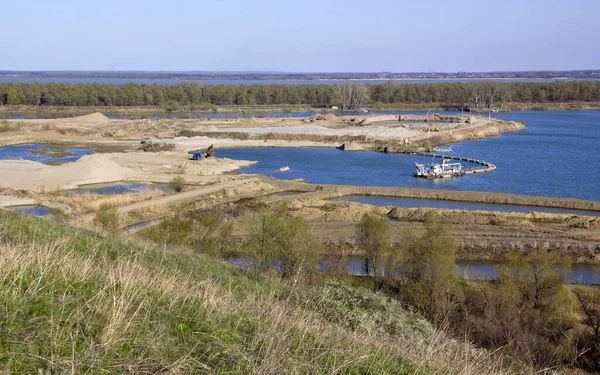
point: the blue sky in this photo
(300, 36)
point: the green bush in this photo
(107, 218)
(177, 183)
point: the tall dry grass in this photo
(86, 202)
(77, 302)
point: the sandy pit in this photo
(203, 142)
(373, 131)
(103, 168)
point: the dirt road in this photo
(185, 196)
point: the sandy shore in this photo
(103, 168)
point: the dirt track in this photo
(184, 196)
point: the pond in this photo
(33, 210)
(470, 269)
(44, 153)
(115, 189)
(467, 206)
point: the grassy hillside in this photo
(73, 301)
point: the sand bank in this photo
(113, 167)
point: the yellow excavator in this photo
(210, 152)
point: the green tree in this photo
(528, 310)
(12, 97)
(373, 239)
(429, 276)
(274, 237)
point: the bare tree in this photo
(484, 94)
(352, 95)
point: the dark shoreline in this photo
(69, 111)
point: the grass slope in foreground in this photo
(78, 302)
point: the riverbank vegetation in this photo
(79, 301)
(476, 95)
(74, 301)
(527, 314)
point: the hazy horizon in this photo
(287, 72)
(304, 36)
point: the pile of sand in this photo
(34, 176)
(93, 118)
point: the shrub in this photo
(177, 183)
(204, 233)
(277, 238)
(107, 218)
(157, 147)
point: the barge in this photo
(444, 170)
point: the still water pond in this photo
(467, 206)
(115, 189)
(470, 269)
(550, 158)
(43, 153)
(33, 210)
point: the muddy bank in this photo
(425, 143)
(274, 136)
(336, 191)
(480, 235)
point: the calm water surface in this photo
(469, 269)
(115, 189)
(33, 210)
(468, 206)
(36, 152)
(248, 82)
(552, 157)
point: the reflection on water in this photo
(33, 210)
(115, 189)
(470, 269)
(43, 153)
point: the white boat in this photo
(444, 170)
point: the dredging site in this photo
(53, 167)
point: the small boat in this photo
(442, 149)
(444, 170)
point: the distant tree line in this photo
(479, 95)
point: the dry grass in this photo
(12, 126)
(77, 301)
(86, 203)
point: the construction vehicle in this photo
(210, 152)
(321, 118)
(435, 129)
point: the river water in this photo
(458, 205)
(43, 153)
(469, 269)
(552, 157)
(248, 82)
